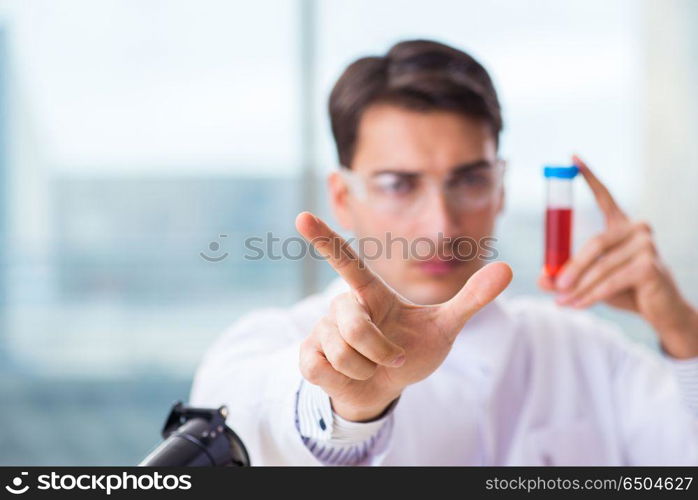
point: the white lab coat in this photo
(526, 383)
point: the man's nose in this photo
(439, 216)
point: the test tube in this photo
(558, 216)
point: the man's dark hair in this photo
(421, 75)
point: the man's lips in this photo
(437, 267)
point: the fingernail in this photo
(563, 281)
(399, 360)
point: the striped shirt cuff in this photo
(332, 439)
(686, 373)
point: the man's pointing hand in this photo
(374, 342)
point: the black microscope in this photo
(197, 437)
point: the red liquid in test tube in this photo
(558, 238)
(558, 217)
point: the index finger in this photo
(603, 196)
(337, 251)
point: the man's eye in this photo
(394, 184)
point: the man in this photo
(416, 361)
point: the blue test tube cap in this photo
(560, 171)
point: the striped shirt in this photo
(686, 373)
(332, 439)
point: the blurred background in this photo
(136, 134)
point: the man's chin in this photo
(428, 287)
(428, 292)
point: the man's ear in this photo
(339, 200)
(502, 200)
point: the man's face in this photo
(419, 179)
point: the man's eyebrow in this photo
(396, 171)
(458, 169)
(464, 167)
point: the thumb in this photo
(478, 291)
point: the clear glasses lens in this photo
(401, 193)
